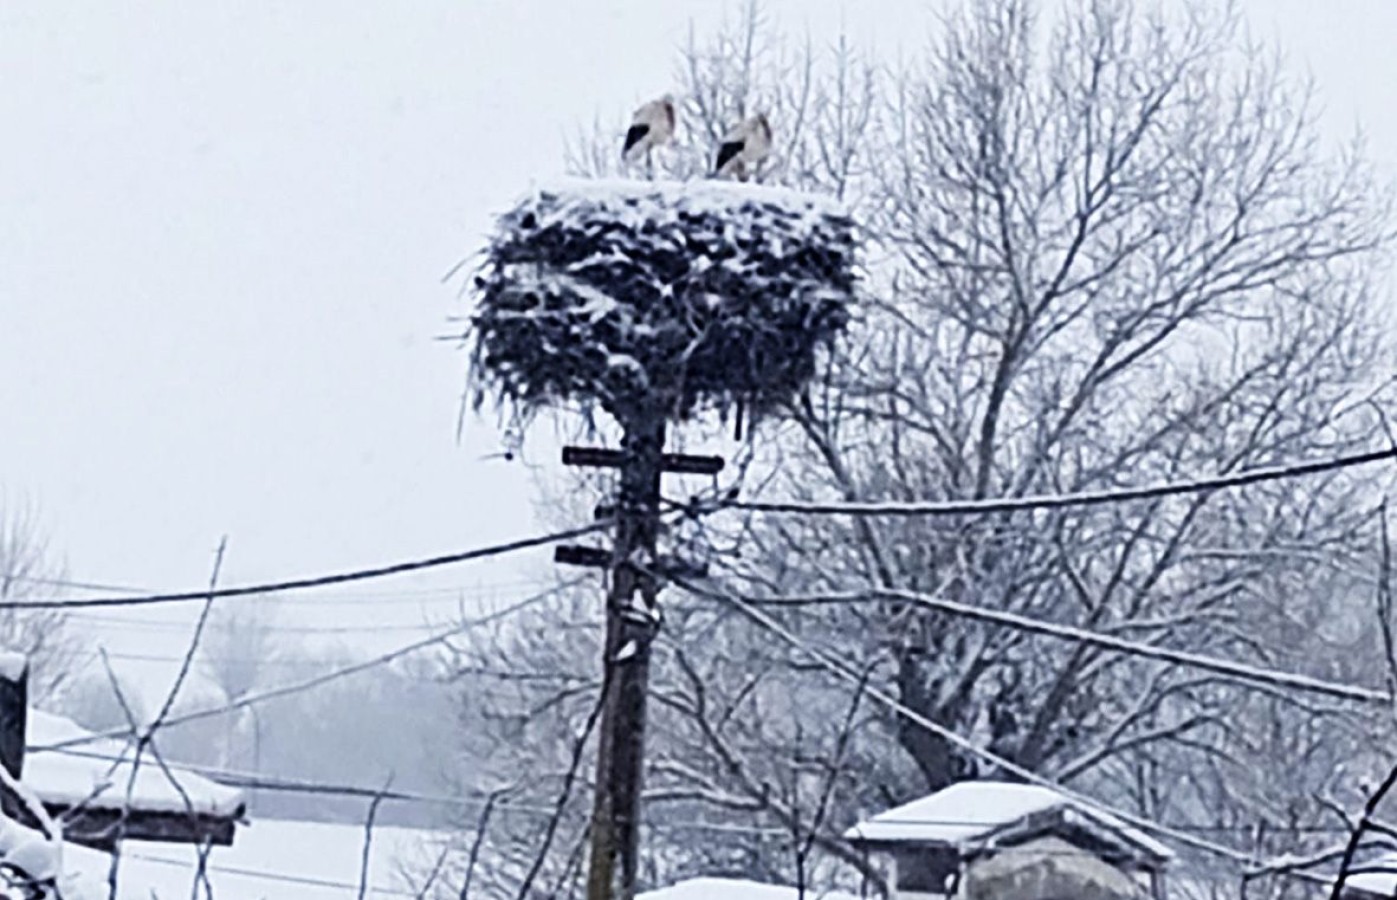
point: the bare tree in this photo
(1113, 254)
(239, 648)
(1129, 264)
(241, 645)
(1105, 251)
(28, 571)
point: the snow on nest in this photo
(62, 777)
(735, 889)
(708, 194)
(972, 811)
(645, 296)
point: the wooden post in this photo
(632, 618)
(14, 716)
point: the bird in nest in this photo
(744, 148)
(652, 126)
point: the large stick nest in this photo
(660, 296)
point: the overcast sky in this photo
(222, 232)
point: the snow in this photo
(735, 889)
(973, 811)
(270, 859)
(708, 195)
(89, 773)
(28, 850)
(320, 861)
(12, 665)
(1379, 883)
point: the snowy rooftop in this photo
(975, 812)
(64, 778)
(1377, 877)
(735, 889)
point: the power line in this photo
(438, 594)
(79, 585)
(744, 606)
(263, 875)
(280, 659)
(1060, 501)
(300, 686)
(298, 584)
(152, 625)
(269, 784)
(274, 784)
(838, 669)
(1017, 622)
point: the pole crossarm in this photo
(605, 458)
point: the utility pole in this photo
(610, 299)
(632, 619)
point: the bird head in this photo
(764, 124)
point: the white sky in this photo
(222, 229)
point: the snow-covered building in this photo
(990, 840)
(62, 786)
(91, 783)
(78, 788)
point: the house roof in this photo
(1377, 877)
(975, 813)
(85, 775)
(734, 889)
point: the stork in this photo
(746, 145)
(652, 126)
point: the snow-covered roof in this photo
(735, 889)
(974, 812)
(1377, 876)
(85, 774)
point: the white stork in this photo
(746, 145)
(652, 126)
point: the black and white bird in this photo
(744, 148)
(652, 126)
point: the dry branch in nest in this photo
(662, 296)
